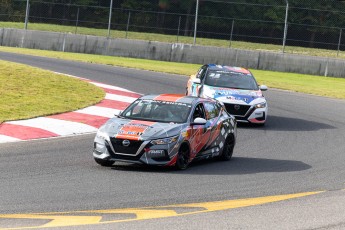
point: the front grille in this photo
(241, 111)
(130, 150)
(122, 157)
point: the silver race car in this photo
(167, 130)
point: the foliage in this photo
(316, 21)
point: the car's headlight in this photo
(165, 141)
(102, 135)
(260, 105)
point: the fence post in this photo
(128, 21)
(286, 24)
(27, 14)
(341, 32)
(196, 20)
(178, 28)
(64, 42)
(76, 23)
(110, 13)
(326, 68)
(232, 31)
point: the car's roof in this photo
(229, 68)
(172, 98)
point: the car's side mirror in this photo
(199, 121)
(196, 81)
(263, 87)
(117, 113)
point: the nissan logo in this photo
(237, 107)
(126, 143)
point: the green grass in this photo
(317, 85)
(28, 92)
(173, 38)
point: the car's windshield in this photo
(160, 111)
(230, 79)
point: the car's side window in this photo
(201, 72)
(202, 75)
(199, 111)
(211, 110)
(219, 106)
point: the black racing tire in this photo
(105, 163)
(228, 148)
(183, 155)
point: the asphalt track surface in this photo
(301, 149)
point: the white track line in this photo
(4, 139)
(98, 111)
(116, 97)
(60, 127)
(110, 87)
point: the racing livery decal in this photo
(235, 87)
(166, 130)
(133, 130)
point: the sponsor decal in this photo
(246, 96)
(238, 70)
(184, 134)
(122, 132)
(167, 103)
(133, 130)
(237, 98)
(155, 152)
(168, 97)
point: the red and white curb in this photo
(81, 121)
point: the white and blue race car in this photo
(235, 87)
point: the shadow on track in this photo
(276, 123)
(237, 166)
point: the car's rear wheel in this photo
(228, 148)
(182, 157)
(102, 162)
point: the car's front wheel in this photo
(228, 148)
(102, 162)
(182, 158)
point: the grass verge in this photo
(28, 92)
(317, 85)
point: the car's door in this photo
(214, 123)
(199, 133)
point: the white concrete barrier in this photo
(175, 52)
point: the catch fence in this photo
(220, 23)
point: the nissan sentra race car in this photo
(167, 130)
(235, 87)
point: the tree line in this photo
(315, 21)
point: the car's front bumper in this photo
(146, 154)
(248, 113)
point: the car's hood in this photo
(140, 130)
(229, 95)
